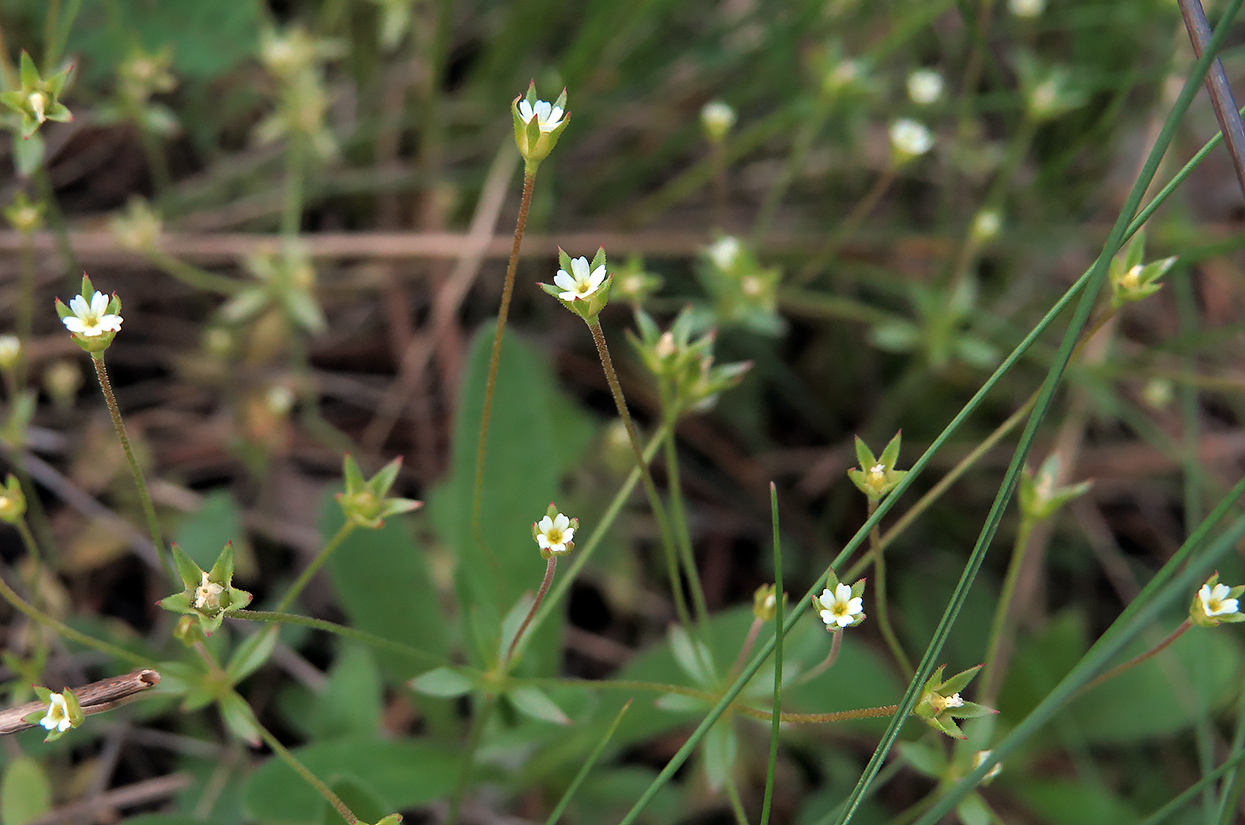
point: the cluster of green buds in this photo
(1216, 604)
(765, 602)
(24, 216)
(1049, 90)
(837, 74)
(296, 60)
(939, 332)
(1039, 497)
(877, 476)
(138, 228)
(582, 287)
(208, 596)
(537, 126)
(940, 703)
(63, 712)
(635, 284)
(686, 374)
(366, 502)
(12, 500)
(37, 99)
(287, 281)
(744, 293)
(1130, 279)
(141, 75)
(92, 317)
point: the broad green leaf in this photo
(239, 718)
(352, 700)
(359, 798)
(1074, 802)
(401, 773)
(535, 438)
(218, 522)
(25, 792)
(252, 653)
(532, 701)
(718, 752)
(384, 587)
(443, 681)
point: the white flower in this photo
(953, 701)
(553, 534)
(207, 594)
(924, 86)
(910, 138)
(717, 118)
(547, 115)
(839, 609)
(1026, 8)
(57, 717)
(580, 284)
(90, 320)
(1215, 600)
(986, 225)
(38, 101)
(724, 251)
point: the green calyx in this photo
(208, 596)
(365, 502)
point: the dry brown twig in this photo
(95, 697)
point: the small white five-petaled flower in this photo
(838, 608)
(547, 115)
(554, 534)
(1215, 600)
(579, 283)
(91, 320)
(724, 251)
(57, 717)
(207, 594)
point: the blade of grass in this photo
(778, 599)
(558, 809)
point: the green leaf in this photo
(252, 653)
(445, 682)
(532, 701)
(25, 791)
(28, 154)
(384, 587)
(359, 798)
(718, 752)
(352, 700)
(536, 436)
(239, 718)
(402, 773)
(1074, 802)
(216, 523)
(693, 657)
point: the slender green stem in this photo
(473, 744)
(560, 808)
(1136, 660)
(737, 804)
(345, 631)
(292, 199)
(800, 146)
(832, 246)
(297, 587)
(836, 642)
(654, 500)
(746, 648)
(717, 157)
(149, 510)
(32, 547)
(56, 220)
(490, 388)
(772, 767)
(584, 552)
(25, 312)
(680, 527)
(193, 276)
(550, 566)
(303, 771)
(67, 632)
(879, 590)
(1003, 622)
